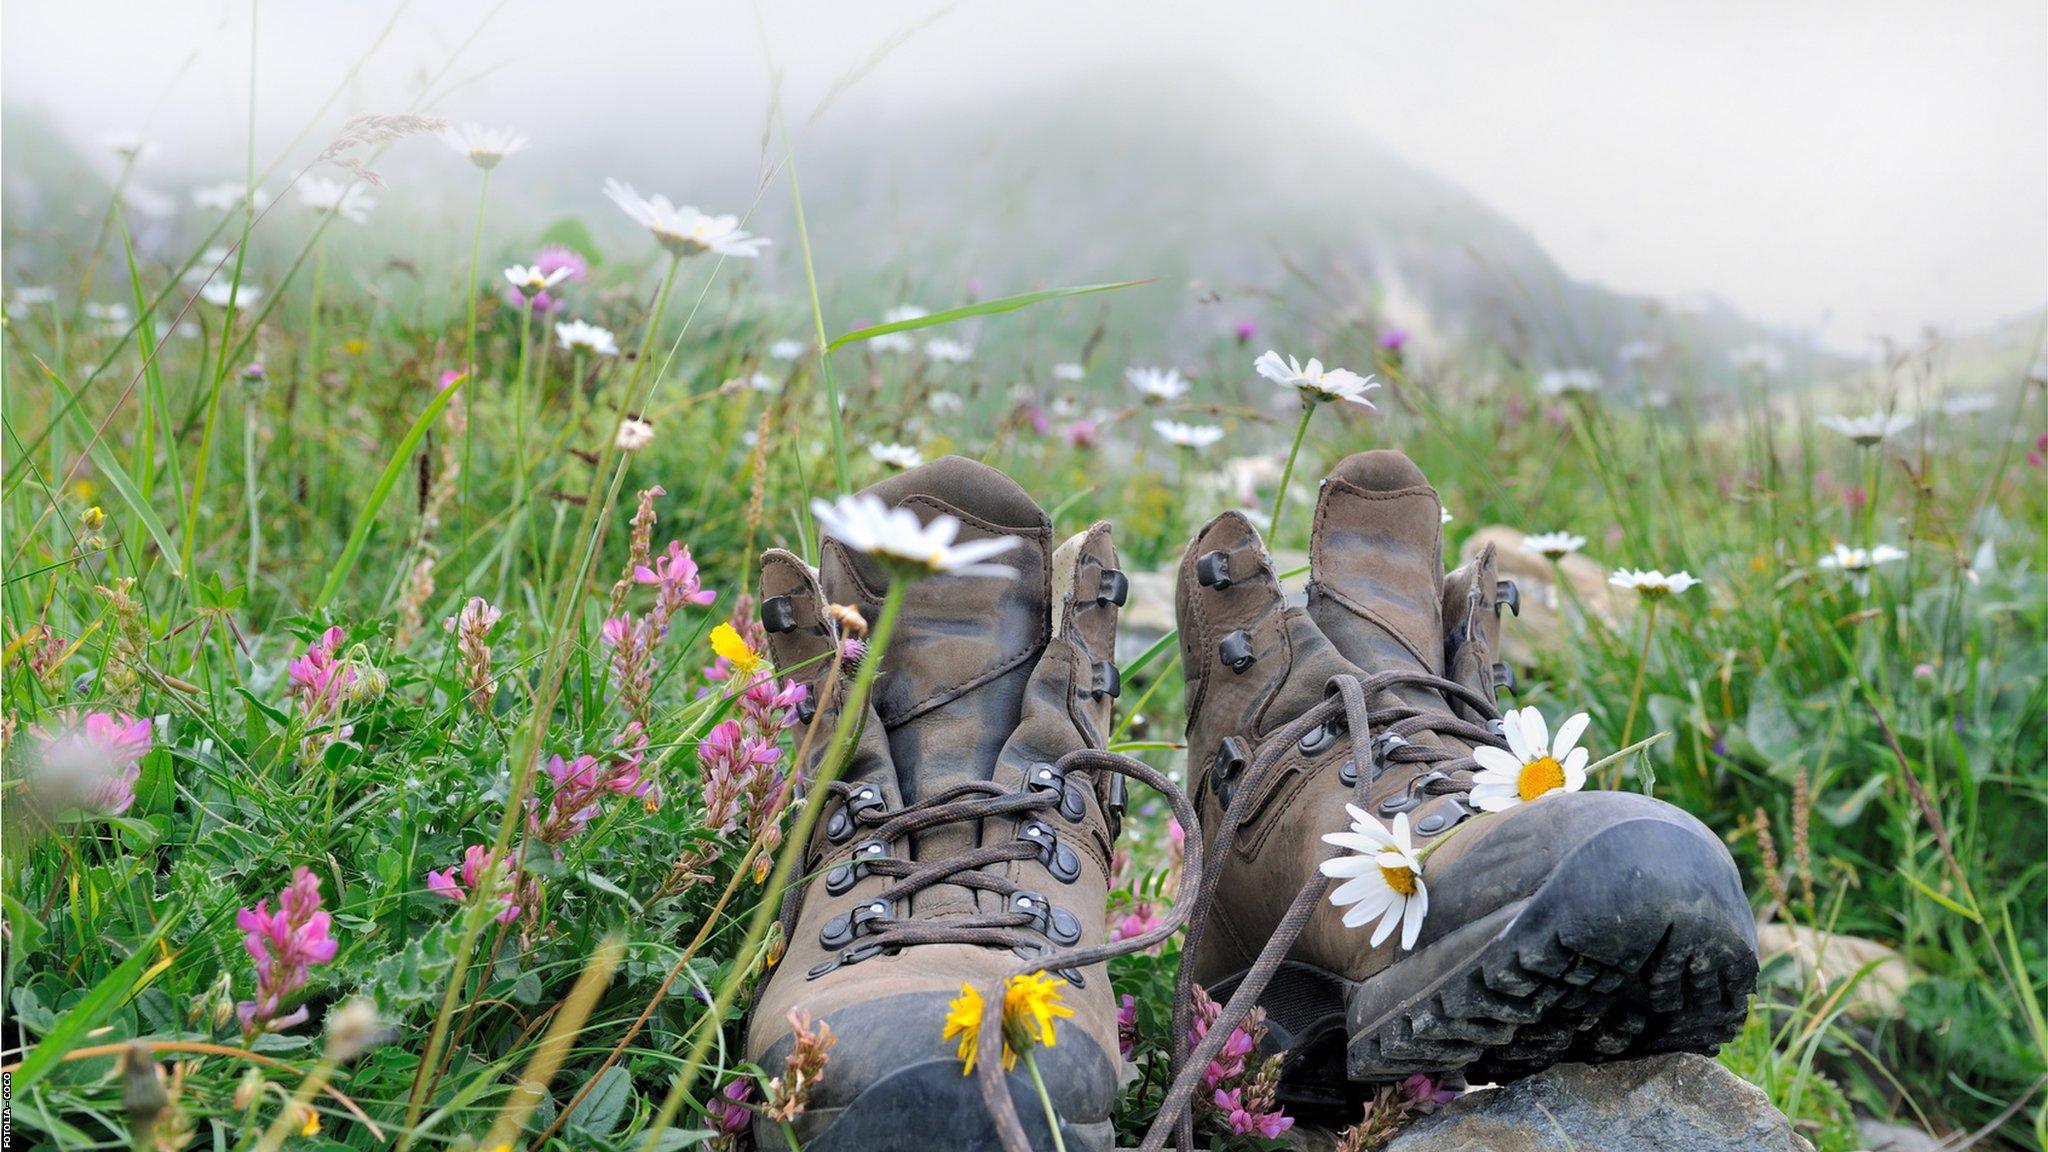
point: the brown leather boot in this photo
(1575, 926)
(971, 828)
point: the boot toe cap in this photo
(894, 1082)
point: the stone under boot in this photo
(1574, 926)
(971, 828)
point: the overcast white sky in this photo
(1852, 168)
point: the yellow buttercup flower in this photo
(1031, 1004)
(312, 1125)
(728, 643)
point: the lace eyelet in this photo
(1063, 862)
(1049, 778)
(842, 878)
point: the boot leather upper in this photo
(985, 679)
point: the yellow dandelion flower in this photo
(963, 1019)
(728, 643)
(1031, 1004)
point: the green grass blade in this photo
(115, 475)
(985, 308)
(86, 1015)
(382, 492)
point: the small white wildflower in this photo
(896, 538)
(578, 336)
(1652, 584)
(1315, 383)
(221, 293)
(683, 230)
(485, 147)
(1532, 766)
(1553, 545)
(1382, 877)
(1868, 430)
(1187, 435)
(786, 349)
(531, 281)
(1568, 381)
(896, 456)
(1157, 385)
(1068, 373)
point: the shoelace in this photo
(1349, 703)
(971, 802)
(980, 800)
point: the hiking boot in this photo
(967, 831)
(1575, 926)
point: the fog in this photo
(1847, 170)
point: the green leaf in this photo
(110, 469)
(382, 492)
(600, 1111)
(87, 1013)
(985, 308)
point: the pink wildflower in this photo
(284, 945)
(1081, 433)
(1139, 920)
(1245, 1121)
(92, 764)
(675, 575)
(472, 628)
(1426, 1093)
(318, 677)
(477, 862)
(1127, 1026)
(731, 759)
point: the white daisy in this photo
(1553, 545)
(531, 281)
(896, 538)
(756, 382)
(111, 313)
(683, 230)
(1871, 429)
(34, 295)
(786, 349)
(1068, 373)
(1187, 435)
(1443, 515)
(350, 201)
(1651, 583)
(1382, 877)
(945, 351)
(946, 403)
(634, 434)
(485, 147)
(224, 196)
(221, 293)
(897, 456)
(577, 336)
(1157, 385)
(1849, 559)
(1565, 381)
(1531, 766)
(1313, 381)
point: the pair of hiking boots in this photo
(970, 835)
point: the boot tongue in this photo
(954, 675)
(1376, 562)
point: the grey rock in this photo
(1680, 1102)
(1883, 1136)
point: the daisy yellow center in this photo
(1401, 880)
(1540, 776)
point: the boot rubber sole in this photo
(1608, 960)
(931, 1107)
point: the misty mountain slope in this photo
(1207, 189)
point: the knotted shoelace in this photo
(1347, 703)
